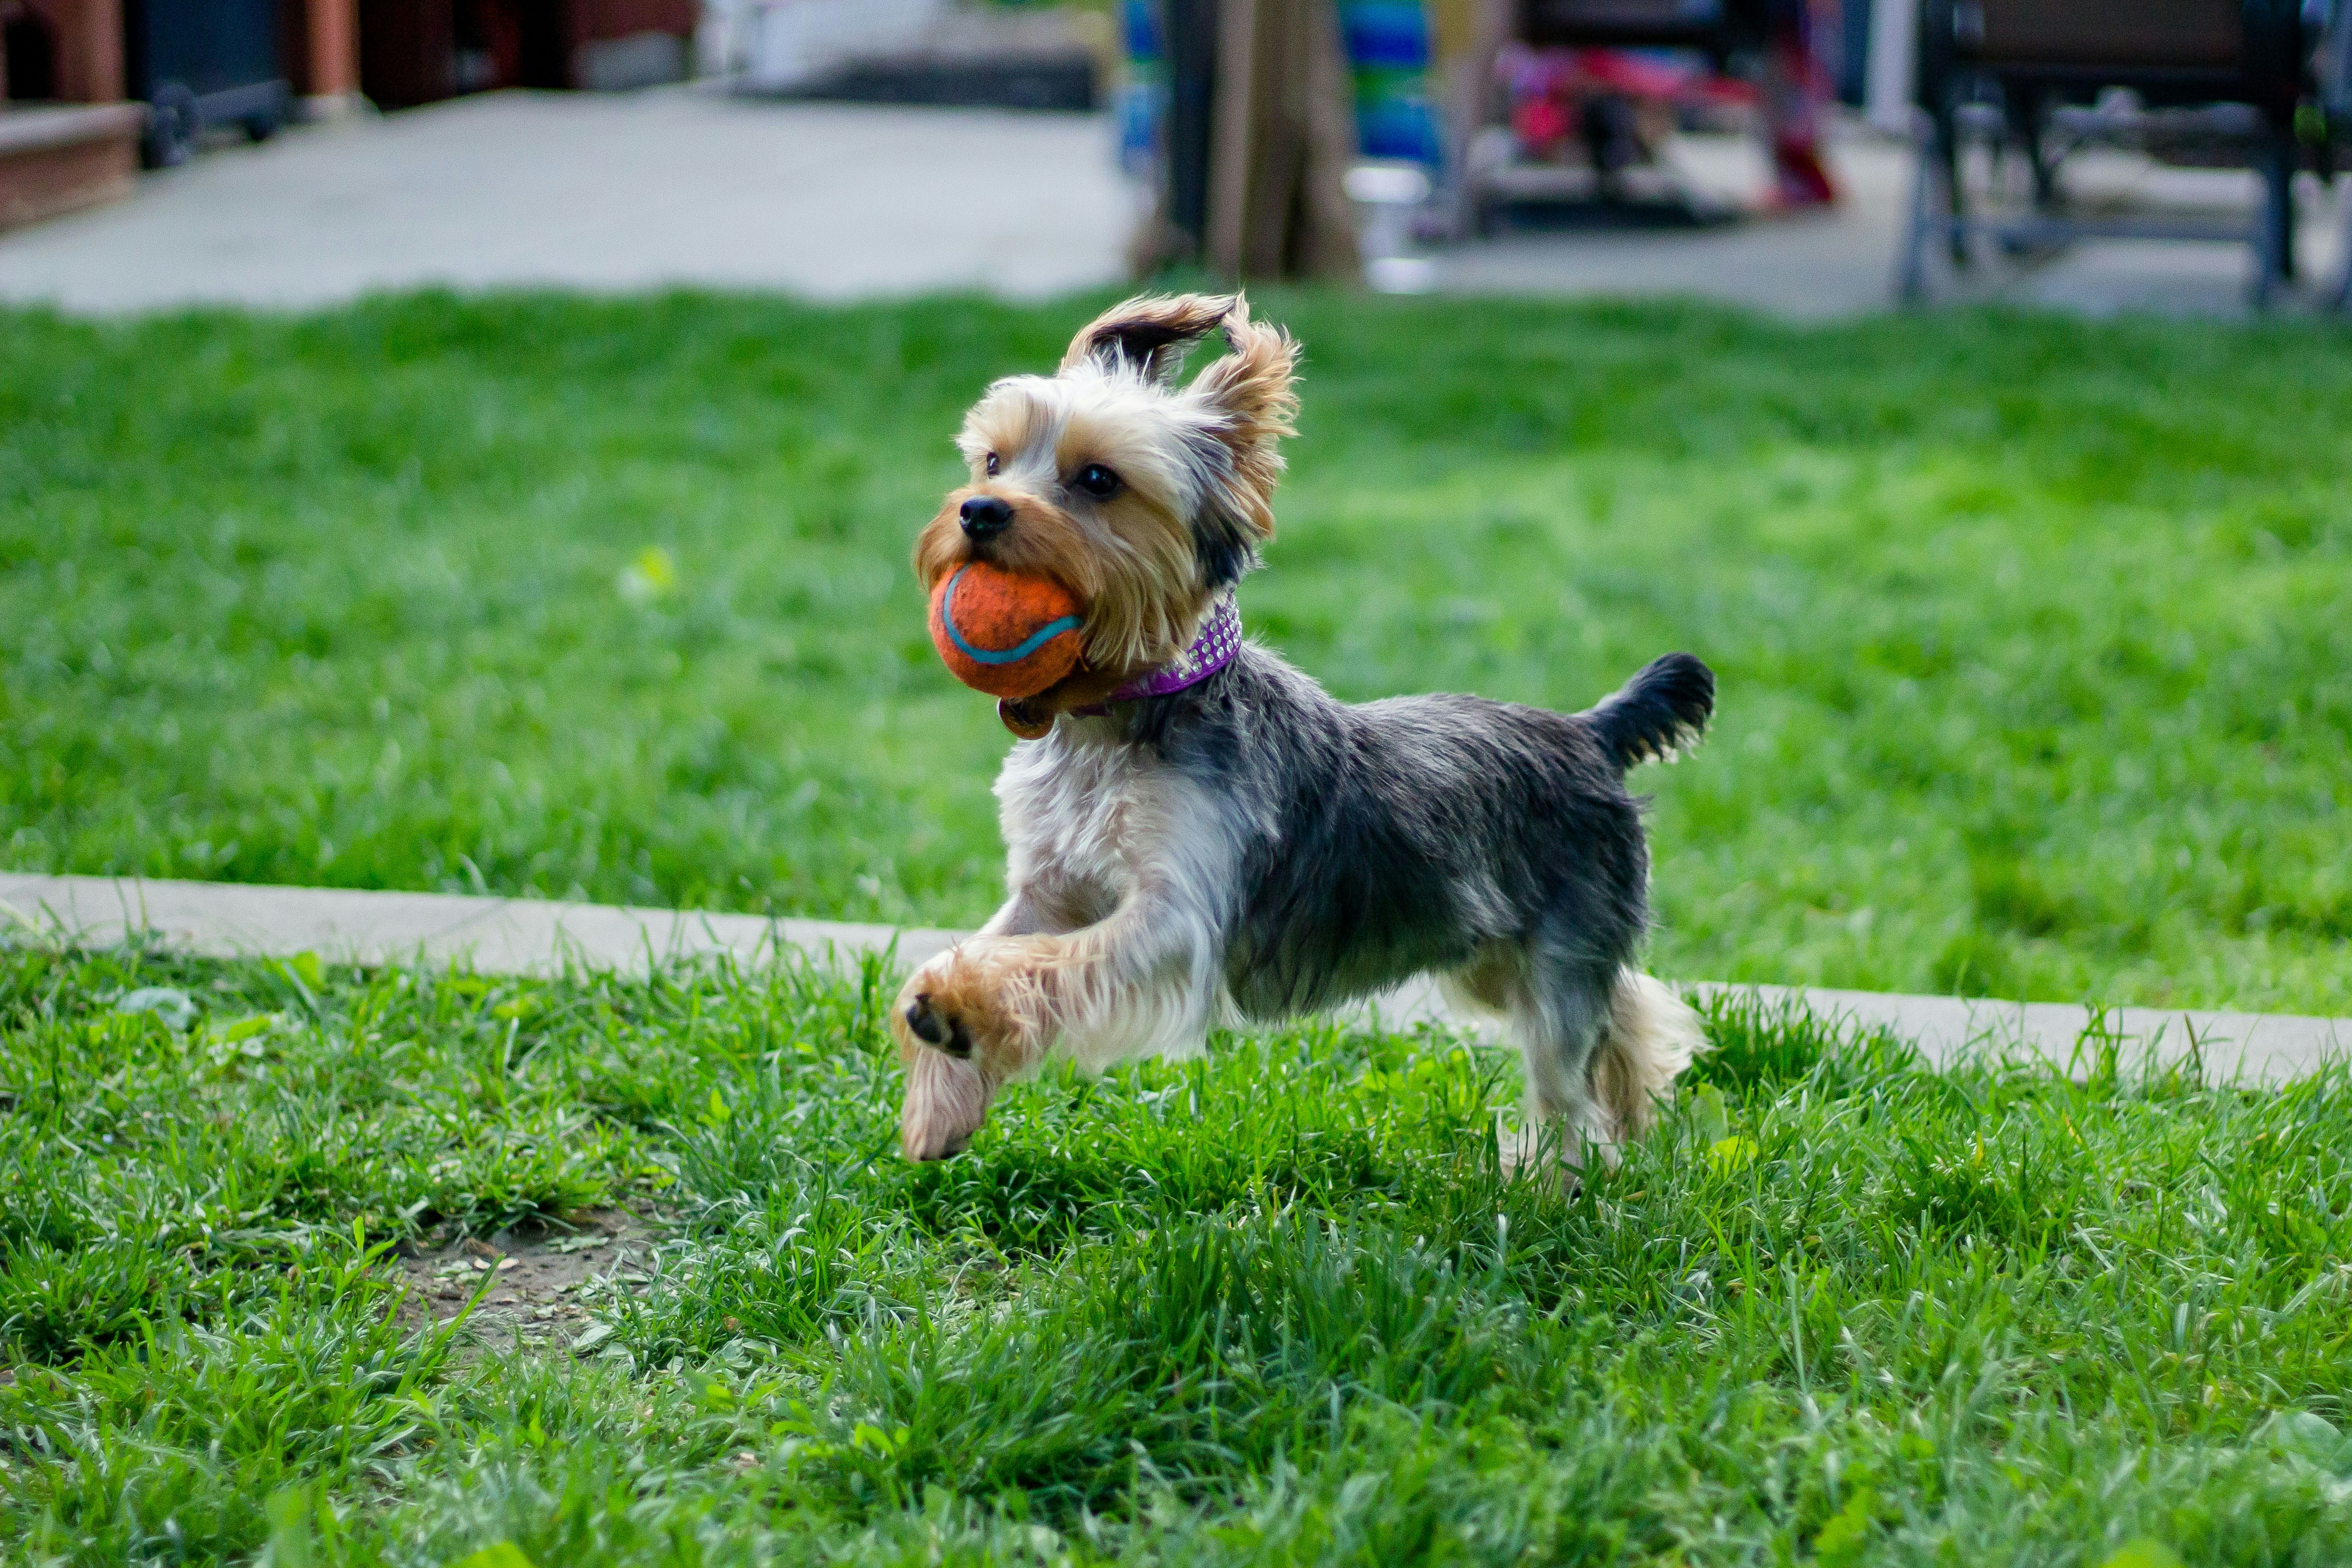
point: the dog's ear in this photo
(1151, 333)
(1252, 388)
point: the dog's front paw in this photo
(977, 1002)
(963, 1030)
(1547, 1151)
(946, 1099)
(936, 1028)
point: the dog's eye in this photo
(991, 465)
(1096, 481)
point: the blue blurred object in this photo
(1142, 106)
(1141, 21)
(1406, 130)
(1388, 45)
(1853, 52)
(1388, 56)
(1392, 34)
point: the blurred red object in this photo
(1550, 86)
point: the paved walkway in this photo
(526, 936)
(1842, 262)
(602, 192)
(606, 193)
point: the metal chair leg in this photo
(2025, 121)
(2342, 296)
(1911, 267)
(1947, 152)
(2274, 247)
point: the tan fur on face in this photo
(1202, 457)
(1043, 542)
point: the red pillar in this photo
(89, 48)
(326, 48)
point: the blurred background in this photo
(473, 445)
(1809, 157)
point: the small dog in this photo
(1198, 834)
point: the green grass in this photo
(1276, 1306)
(2032, 631)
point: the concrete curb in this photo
(496, 936)
(522, 936)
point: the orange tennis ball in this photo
(1002, 632)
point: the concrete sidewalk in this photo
(602, 192)
(526, 936)
(1842, 262)
(497, 936)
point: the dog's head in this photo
(1142, 497)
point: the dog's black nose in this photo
(985, 517)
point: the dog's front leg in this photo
(948, 1085)
(990, 1008)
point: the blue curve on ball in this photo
(1014, 655)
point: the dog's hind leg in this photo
(1649, 1037)
(1557, 1010)
(1602, 1048)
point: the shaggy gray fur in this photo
(1442, 833)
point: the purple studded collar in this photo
(1219, 640)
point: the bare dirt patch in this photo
(534, 1276)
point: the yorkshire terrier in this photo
(1198, 834)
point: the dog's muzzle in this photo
(984, 517)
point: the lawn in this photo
(2032, 632)
(1276, 1305)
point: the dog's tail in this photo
(1657, 715)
